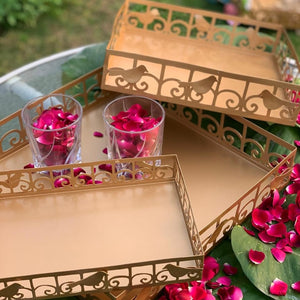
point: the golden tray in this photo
(284, 12)
(225, 180)
(189, 57)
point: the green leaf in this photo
(87, 60)
(262, 275)
(224, 254)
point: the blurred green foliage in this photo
(26, 12)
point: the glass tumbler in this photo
(53, 127)
(134, 127)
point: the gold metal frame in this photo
(14, 183)
(176, 81)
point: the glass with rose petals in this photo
(134, 127)
(53, 127)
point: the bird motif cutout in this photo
(201, 86)
(272, 102)
(12, 181)
(129, 75)
(11, 290)
(255, 40)
(92, 280)
(178, 272)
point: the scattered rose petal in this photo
(287, 249)
(98, 134)
(60, 182)
(230, 293)
(293, 188)
(256, 257)
(78, 170)
(278, 254)
(277, 201)
(278, 287)
(296, 286)
(229, 270)
(213, 284)
(198, 292)
(224, 280)
(293, 212)
(297, 143)
(250, 232)
(260, 218)
(29, 166)
(210, 269)
(104, 150)
(105, 167)
(264, 237)
(297, 224)
(277, 230)
(294, 239)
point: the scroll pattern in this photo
(64, 284)
(237, 138)
(205, 88)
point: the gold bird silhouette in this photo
(130, 75)
(271, 101)
(13, 181)
(91, 280)
(201, 86)
(11, 290)
(177, 271)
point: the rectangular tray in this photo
(227, 173)
(80, 238)
(194, 58)
(205, 142)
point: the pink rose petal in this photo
(260, 218)
(29, 166)
(250, 232)
(278, 254)
(297, 143)
(229, 270)
(256, 257)
(104, 150)
(294, 239)
(213, 284)
(224, 280)
(293, 212)
(264, 237)
(295, 172)
(297, 224)
(60, 182)
(78, 170)
(230, 293)
(98, 134)
(277, 201)
(277, 230)
(197, 292)
(296, 286)
(210, 269)
(278, 287)
(293, 188)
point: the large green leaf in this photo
(263, 274)
(224, 254)
(87, 60)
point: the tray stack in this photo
(131, 234)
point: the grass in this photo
(81, 22)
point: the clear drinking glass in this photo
(53, 127)
(134, 127)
